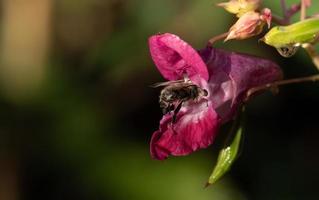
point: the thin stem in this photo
(288, 13)
(237, 122)
(284, 7)
(279, 20)
(312, 53)
(303, 10)
(275, 84)
(293, 10)
(216, 38)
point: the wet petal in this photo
(173, 57)
(196, 128)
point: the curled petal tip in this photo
(266, 16)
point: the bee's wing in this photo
(162, 84)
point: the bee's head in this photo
(166, 95)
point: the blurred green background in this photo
(77, 112)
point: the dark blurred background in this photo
(77, 112)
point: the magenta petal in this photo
(232, 74)
(174, 57)
(195, 128)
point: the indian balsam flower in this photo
(225, 76)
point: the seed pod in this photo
(296, 34)
(226, 158)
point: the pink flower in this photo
(226, 76)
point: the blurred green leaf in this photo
(226, 158)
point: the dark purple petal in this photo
(173, 57)
(232, 74)
(196, 128)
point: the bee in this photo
(175, 93)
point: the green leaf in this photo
(226, 158)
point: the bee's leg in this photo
(167, 108)
(164, 108)
(171, 107)
(177, 109)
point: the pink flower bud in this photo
(249, 25)
(240, 7)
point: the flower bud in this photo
(240, 7)
(249, 25)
